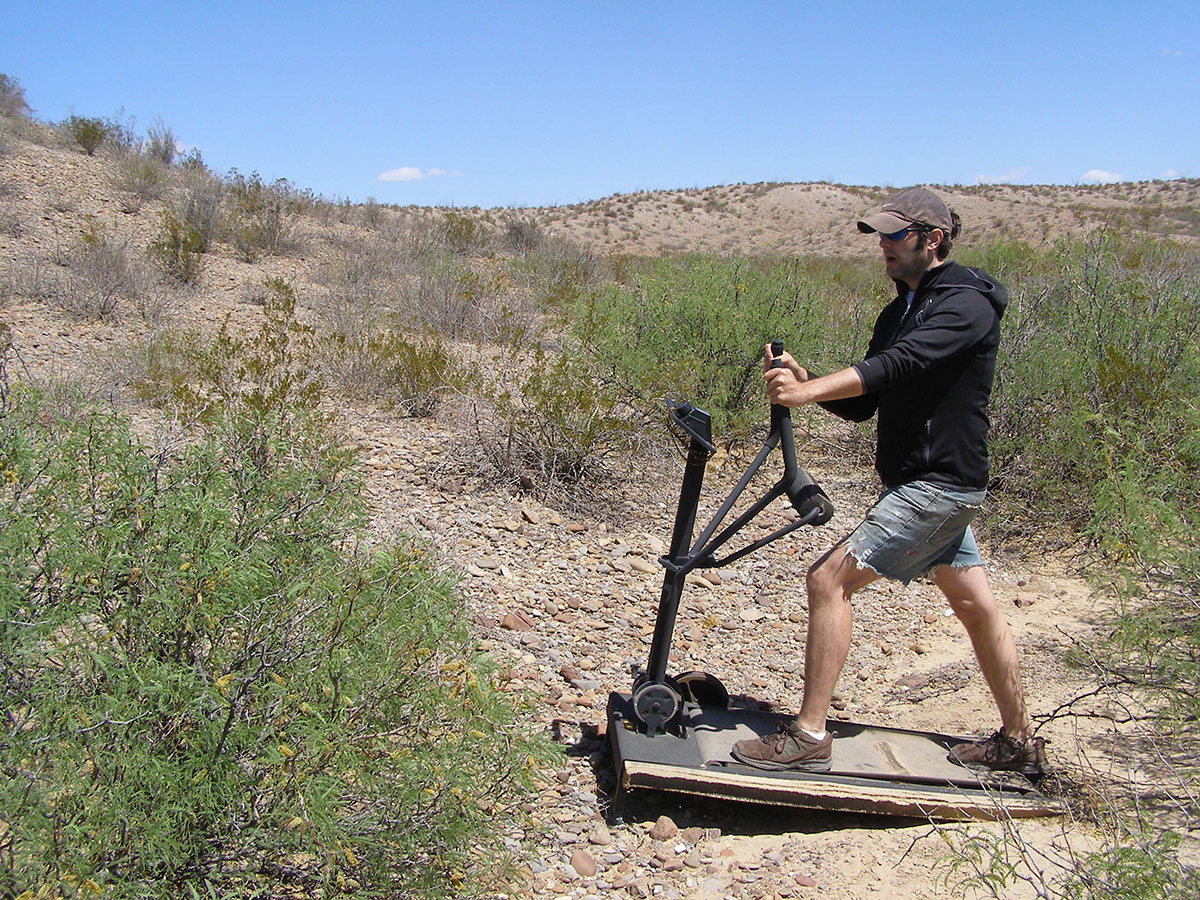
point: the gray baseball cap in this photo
(911, 206)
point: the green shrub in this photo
(210, 695)
(255, 374)
(88, 132)
(177, 249)
(462, 232)
(694, 329)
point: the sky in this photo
(505, 104)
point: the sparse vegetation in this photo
(258, 216)
(143, 178)
(102, 276)
(88, 132)
(177, 249)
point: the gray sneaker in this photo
(786, 749)
(1002, 752)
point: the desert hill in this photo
(812, 218)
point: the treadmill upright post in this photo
(697, 424)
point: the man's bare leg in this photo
(973, 602)
(831, 581)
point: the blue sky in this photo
(539, 103)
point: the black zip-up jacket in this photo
(928, 373)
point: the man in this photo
(928, 374)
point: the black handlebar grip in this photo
(776, 352)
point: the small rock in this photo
(640, 565)
(531, 517)
(805, 881)
(600, 835)
(518, 621)
(1025, 598)
(929, 618)
(583, 863)
(664, 829)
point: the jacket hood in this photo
(951, 276)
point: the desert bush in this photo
(362, 282)
(211, 692)
(463, 232)
(12, 223)
(102, 277)
(371, 213)
(694, 329)
(455, 297)
(12, 98)
(199, 376)
(258, 216)
(121, 135)
(198, 204)
(160, 143)
(405, 375)
(144, 178)
(1098, 351)
(177, 249)
(544, 425)
(88, 132)
(520, 235)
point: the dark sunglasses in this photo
(902, 233)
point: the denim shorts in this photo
(915, 527)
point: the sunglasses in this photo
(902, 233)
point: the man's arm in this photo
(785, 388)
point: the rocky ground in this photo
(566, 603)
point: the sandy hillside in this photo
(818, 218)
(565, 599)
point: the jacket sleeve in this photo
(957, 322)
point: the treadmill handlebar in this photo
(804, 492)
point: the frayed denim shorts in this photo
(915, 527)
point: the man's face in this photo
(906, 258)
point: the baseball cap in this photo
(911, 206)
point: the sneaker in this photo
(786, 749)
(1003, 752)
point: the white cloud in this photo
(1012, 176)
(1169, 52)
(411, 173)
(1099, 176)
(1169, 174)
